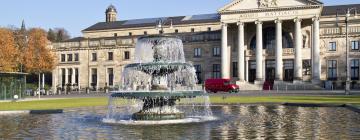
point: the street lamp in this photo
(347, 16)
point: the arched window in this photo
(269, 41)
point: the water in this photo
(155, 83)
(235, 122)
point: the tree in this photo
(51, 35)
(61, 34)
(20, 36)
(8, 53)
(39, 58)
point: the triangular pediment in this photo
(242, 5)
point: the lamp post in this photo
(347, 18)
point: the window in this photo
(115, 35)
(216, 71)
(197, 52)
(192, 30)
(110, 76)
(77, 76)
(130, 33)
(63, 59)
(332, 46)
(209, 29)
(332, 73)
(216, 51)
(235, 69)
(355, 69)
(69, 57)
(145, 33)
(355, 45)
(127, 55)
(94, 57)
(306, 67)
(198, 73)
(110, 56)
(70, 73)
(76, 57)
(269, 40)
(93, 77)
(176, 31)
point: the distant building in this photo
(282, 40)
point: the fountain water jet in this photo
(154, 85)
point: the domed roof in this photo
(111, 8)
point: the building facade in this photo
(248, 41)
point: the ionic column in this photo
(66, 76)
(241, 52)
(298, 52)
(316, 67)
(73, 76)
(279, 51)
(79, 79)
(225, 69)
(259, 52)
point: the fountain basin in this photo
(156, 116)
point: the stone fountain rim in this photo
(158, 36)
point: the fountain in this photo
(159, 88)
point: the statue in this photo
(267, 3)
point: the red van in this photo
(216, 85)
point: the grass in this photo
(102, 101)
(54, 104)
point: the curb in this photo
(14, 112)
(353, 108)
(52, 111)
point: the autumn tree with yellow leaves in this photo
(8, 51)
(38, 58)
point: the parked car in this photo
(217, 85)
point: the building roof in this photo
(146, 22)
(193, 19)
(331, 10)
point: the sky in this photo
(76, 15)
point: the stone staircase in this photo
(281, 85)
(244, 86)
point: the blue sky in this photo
(75, 15)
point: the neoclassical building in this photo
(247, 41)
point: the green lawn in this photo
(102, 101)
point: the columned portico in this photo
(298, 53)
(279, 51)
(225, 62)
(273, 52)
(259, 52)
(241, 52)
